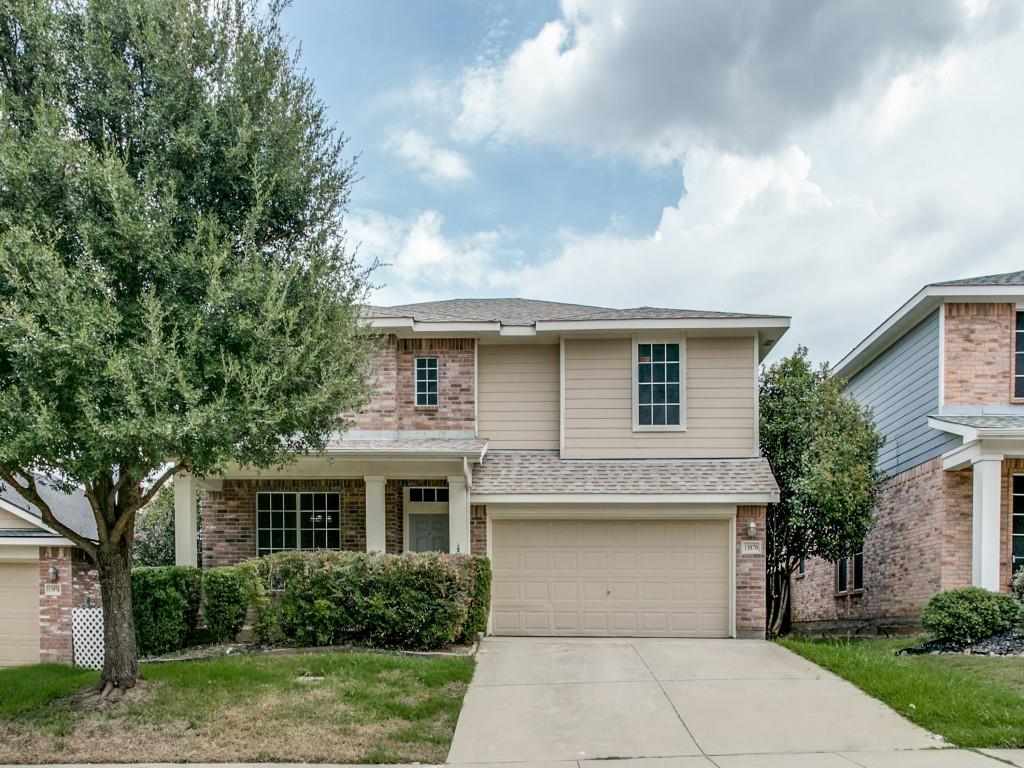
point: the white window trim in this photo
(298, 522)
(634, 361)
(418, 508)
(416, 381)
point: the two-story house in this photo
(944, 375)
(606, 460)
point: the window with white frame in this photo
(297, 520)
(1018, 523)
(857, 563)
(850, 574)
(842, 584)
(426, 381)
(429, 495)
(1018, 356)
(658, 386)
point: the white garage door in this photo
(19, 613)
(661, 578)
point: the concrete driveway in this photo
(550, 700)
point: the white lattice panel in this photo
(87, 636)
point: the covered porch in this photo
(993, 451)
(390, 495)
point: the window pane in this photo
(307, 539)
(289, 500)
(672, 393)
(1020, 321)
(432, 398)
(658, 372)
(672, 372)
(644, 393)
(672, 352)
(644, 373)
(264, 539)
(658, 353)
(289, 539)
(658, 394)
(289, 518)
(334, 501)
(264, 519)
(442, 495)
(858, 571)
(1018, 386)
(672, 415)
(262, 501)
(277, 519)
(431, 386)
(658, 416)
(275, 501)
(1018, 484)
(415, 494)
(1018, 546)
(644, 353)
(333, 539)
(277, 539)
(841, 575)
(645, 415)
(1018, 524)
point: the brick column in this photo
(751, 609)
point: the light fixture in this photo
(54, 573)
(751, 528)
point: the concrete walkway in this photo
(689, 703)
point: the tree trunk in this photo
(780, 603)
(120, 656)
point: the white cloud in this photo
(901, 167)
(431, 161)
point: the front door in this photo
(428, 532)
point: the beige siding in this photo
(19, 613)
(518, 395)
(719, 409)
(9, 520)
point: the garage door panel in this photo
(619, 577)
(19, 613)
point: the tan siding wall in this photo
(517, 397)
(7, 520)
(719, 401)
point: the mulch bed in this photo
(197, 653)
(1009, 643)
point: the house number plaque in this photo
(751, 547)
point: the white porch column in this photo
(458, 514)
(376, 539)
(185, 520)
(987, 471)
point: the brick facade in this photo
(920, 545)
(77, 580)
(978, 345)
(751, 608)
(393, 403)
(478, 529)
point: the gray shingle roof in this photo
(24, 533)
(440, 446)
(543, 472)
(1006, 278)
(984, 421)
(72, 509)
(530, 311)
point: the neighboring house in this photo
(606, 460)
(42, 575)
(945, 377)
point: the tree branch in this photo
(124, 518)
(31, 495)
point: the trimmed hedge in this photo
(165, 606)
(225, 601)
(969, 614)
(412, 601)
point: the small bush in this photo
(969, 614)
(225, 602)
(165, 605)
(480, 598)
(412, 601)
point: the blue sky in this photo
(817, 160)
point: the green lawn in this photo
(311, 707)
(972, 701)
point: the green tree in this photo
(154, 531)
(823, 447)
(175, 292)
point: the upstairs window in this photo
(1018, 357)
(658, 390)
(426, 381)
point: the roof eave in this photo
(764, 497)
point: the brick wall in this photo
(751, 610)
(978, 354)
(478, 529)
(393, 378)
(77, 581)
(920, 544)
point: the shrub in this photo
(412, 601)
(1018, 584)
(480, 598)
(165, 605)
(225, 602)
(969, 614)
